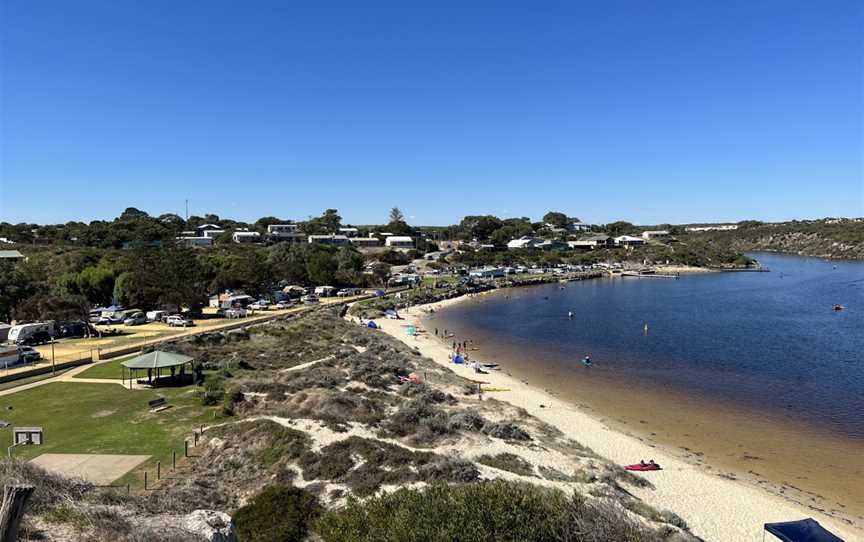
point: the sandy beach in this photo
(716, 508)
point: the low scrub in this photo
(509, 462)
(277, 514)
(484, 512)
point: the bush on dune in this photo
(277, 514)
(490, 511)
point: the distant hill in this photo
(836, 238)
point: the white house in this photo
(285, 232)
(365, 242)
(202, 242)
(246, 237)
(349, 232)
(717, 227)
(580, 227)
(488, 273)
(11, 255)
(525, 241)
(592, 242)
(211, 234)
(655, 234)
(335, 240)
(629, 241)
(399, 241)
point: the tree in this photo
(328, 222)
(322, 267)
(131, 213)
(619, 227)
(480, 227)
(557, 219)
(396, 215)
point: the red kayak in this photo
(641, 467)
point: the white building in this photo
(399, 241)
(580, 227)
(629, 241)
(349, 232)
(365, 242)
(488, 273)
(285, 232)
(718, 227)
(335, 240)
(201, 242)
(523, 242)
(246, 237)
(211, 234)
(655, 234)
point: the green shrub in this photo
(277, 514)
(509, 462)
(494, 511)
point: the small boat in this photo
(586, 361)
(838, 307)
(643, 467)
(490, 365)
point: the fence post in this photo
(185, 448)
(145, 480)
(173, 459)
(158, 470)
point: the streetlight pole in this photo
(52, 357)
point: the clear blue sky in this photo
(646, 111)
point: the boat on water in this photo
(838, 307)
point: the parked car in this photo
(109, 320)
(260, 305)
(72, 329)
(40, 337)
(310, 299)
(283, 305)
(156, 316)
(236, 312)
(28, 354)
(175, 320)
(136, 319)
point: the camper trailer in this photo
(35, 333)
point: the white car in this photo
(175, 320)
(235, 313)
(260, 305)
(283, 305)
(310, 299)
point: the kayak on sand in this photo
(643, 467)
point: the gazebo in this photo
(153, 363)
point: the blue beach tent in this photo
(371, 325)
(458, 359)
(805, 530)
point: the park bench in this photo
(157, 405)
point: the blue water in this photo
(760, 340)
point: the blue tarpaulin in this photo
(806, 530)
(371, 324)
(458, 359)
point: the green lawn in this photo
(104, 418)
(109, 369)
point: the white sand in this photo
(717, 509)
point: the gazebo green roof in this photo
(155, 360)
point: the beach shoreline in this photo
(716, 507)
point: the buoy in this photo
(645, 328)
(570, 314)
